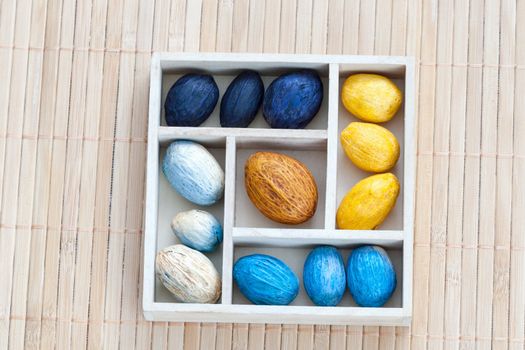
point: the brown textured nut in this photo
(281, 187)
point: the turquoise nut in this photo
(371, 276)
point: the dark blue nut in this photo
(191, 100)
(371, 276)
(265, 280)
(242, 100)
(324, 276)
(292, 100)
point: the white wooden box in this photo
(247, 231)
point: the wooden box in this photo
(246, 230)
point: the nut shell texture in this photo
(293, 99)
(371, 97)
(324, 276)
(265, 280)
(242, 100)
(188, 274)
(193, 172)
(370, 147)
(191, 100)
(197, 229)
(281, 187)
(371, 276)
(368, 203)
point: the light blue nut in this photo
(324, 276)
(197, 229)
(371, 276)
(193, 172)
(265, 280)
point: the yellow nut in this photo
(371, 97)
(368, 203)
(370, 147)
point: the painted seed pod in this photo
(368, 203)
(324, 276)
(371, 276)
(242, 100)
(371, 97)
(191, 100)
(265, 280)
(188, 274)
(193, 172)
(293, 99)
(370, 147)
(281, 187)
(197, 229)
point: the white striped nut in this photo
(197, 229)
(188, 274)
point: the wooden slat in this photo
(272, 21)
(11, 237)
(371, 338)
(27, 203)
(241, 15)
(367, 20)
(121, 187)
(131, 306)
(224, 26)
(440, 175)
(319, 26)
(387, 338)
(354, 337)
(192, 334)
(256, 336)
(517, 268)
(240, 336)
(176, 334)
(337, 337)
(42, 186)
(287, 26)
(208, 29)
(456, 178)
(256, 26)
(487, 195)
(272, 338)
(51, 282)
(289, 336)
(82, 285)
(224, 336)
(422, 228)
(504, 187)
(322, 337)
(304, 27)
(165, 338)
(193, 26)
(335, 30)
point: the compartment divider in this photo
(312, 237)
(229, 212)
(167, 133)
(331, 148)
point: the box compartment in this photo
(295, 258)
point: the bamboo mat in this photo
(73, 109)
